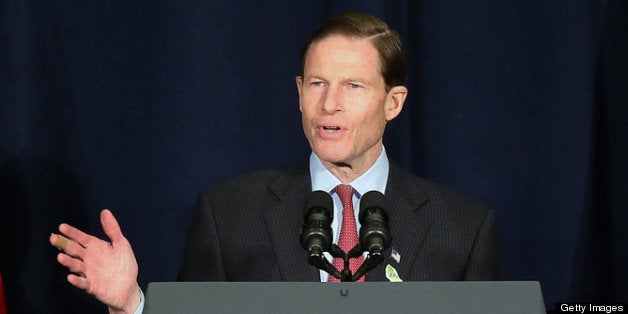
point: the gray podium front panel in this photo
(372, 297)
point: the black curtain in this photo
(138, 105)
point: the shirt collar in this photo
(374, 178)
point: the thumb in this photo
(110, 226)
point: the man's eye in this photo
(318, 84)
(354, 85)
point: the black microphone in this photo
(316, 234)
(375, 234)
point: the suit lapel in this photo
(283, 215)
(409, 224)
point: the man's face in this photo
(344, 102)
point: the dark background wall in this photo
(138, 105)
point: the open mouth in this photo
(330, 129)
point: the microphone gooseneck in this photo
(316, 234)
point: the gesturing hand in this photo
(108, 271)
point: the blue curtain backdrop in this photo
(138, 105)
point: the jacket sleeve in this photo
(202, 257)
(483, 261)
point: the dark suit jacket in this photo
(247, 229)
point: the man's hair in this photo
(358, 25)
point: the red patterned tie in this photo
(348, 231)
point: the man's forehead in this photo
(354, 56)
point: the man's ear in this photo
(299, 80)
(394, 101)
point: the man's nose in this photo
(331, 102)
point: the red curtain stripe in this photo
(3, 303)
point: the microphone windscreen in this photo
(319, 199)
(371, 199)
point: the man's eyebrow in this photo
(360, 80)
(315, 77)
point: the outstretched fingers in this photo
(107, 270)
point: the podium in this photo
(345, 297)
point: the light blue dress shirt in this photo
(374, 179)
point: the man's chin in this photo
(331, 158)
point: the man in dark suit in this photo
(246, 229)
(251, 234)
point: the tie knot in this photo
(345, 193)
